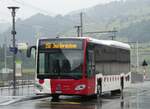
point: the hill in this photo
(131, 19)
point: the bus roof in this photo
(110, 43)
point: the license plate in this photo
(58, 92)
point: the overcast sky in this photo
(49, 7)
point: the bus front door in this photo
(91, 71)
(91, 63)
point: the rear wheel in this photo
(122, 86)
(99, 87)
(115, 92)
(98, 90)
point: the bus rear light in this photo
(41, 81)
(80, 87)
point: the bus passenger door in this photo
(91, 71)
(91, 64)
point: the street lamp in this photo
(14, 49)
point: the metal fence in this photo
(24, 85)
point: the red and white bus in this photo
(80, 66)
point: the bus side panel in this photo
(113, 82)
(127, 80)
(91, 86)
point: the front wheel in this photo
(55, 97)
(99, 90)
(99, 87)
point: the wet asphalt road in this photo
(135, 97)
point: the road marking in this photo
(9, 102)
(65, 103)
(15, 99)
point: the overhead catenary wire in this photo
(23, 3)
(3, 12)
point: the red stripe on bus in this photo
(84, 62)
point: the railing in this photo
(24, 85)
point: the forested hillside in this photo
(131, 18)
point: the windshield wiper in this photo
(69, 77)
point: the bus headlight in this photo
(80, 87)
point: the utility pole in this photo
(14, 49)
(81, 23)
(137, 53)
(5, 52)
(114, 31)
(78, 30)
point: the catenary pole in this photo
(81, 23)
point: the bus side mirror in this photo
(29, 50)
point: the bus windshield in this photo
(60, 63)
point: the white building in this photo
(6, 70)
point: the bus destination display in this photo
(60, 44)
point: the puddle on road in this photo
(73, 103)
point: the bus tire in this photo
(122, 83)
(55, 97)
(99, 87)
(115, 92)
(122, 86)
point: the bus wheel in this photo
(115, 92)
(99, 87)
(98, 90)
(122, 86)
(55, 97)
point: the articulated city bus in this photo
(80, 66)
